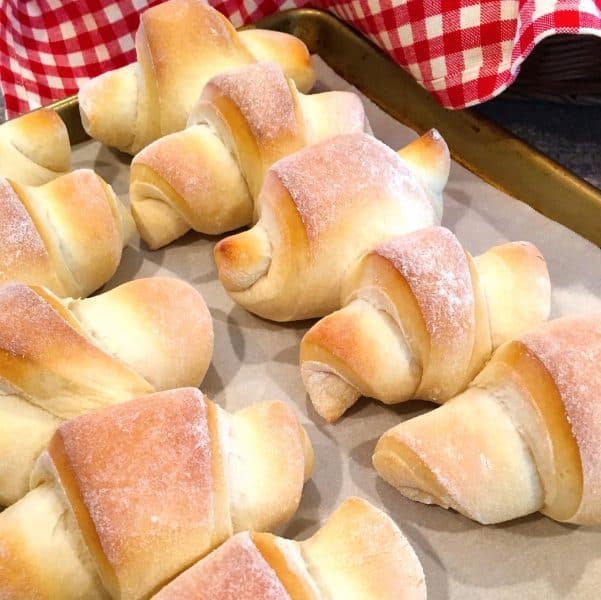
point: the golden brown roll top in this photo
(62, 358)
(207, 176)
(153, 485)
(358, 554)
(46, 356)
(438, 276)
(23, 254)
(320, 209)
(187, 180)
(256, 112)
(180, 45)
(234, 570)
(34, 148)
(522, 438)
(140, 480)
(261, 117)
(67, 235)
(419, 319)
(568, 353)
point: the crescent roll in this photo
(34, 148)
(126, 498)
(420, 318)
(358, 554)
(67, 235)
(62, 358)
(206, 177)
(319, 210)
(524, 437)
(180, 45)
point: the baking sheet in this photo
(256, 360)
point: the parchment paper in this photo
(255, 360)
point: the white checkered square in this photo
(20, 50)
(34, 10)
(67, 30)
(113, 13)
(415, 70)
(469, 16)
(374, 6)
(589, 6)
(438, 66)
(54, 81)
(40, 35)
(506, 50)
(406, 35)
(541, 9)
(473, 61)
(76, 59)
(14, 65)
(46, 58)
(126, 43)
(434, 26)
(438, 84)
(89, 22)
(509, 10)
(102, 53)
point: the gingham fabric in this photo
(462, 51)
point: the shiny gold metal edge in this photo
(486, 149)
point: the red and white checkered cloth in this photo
(462, 51)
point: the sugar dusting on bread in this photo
(202, 31)
(155, 493)
(45, 356)
(188, 42)
(30, 329)
(352, 117)
(435, 266)
(235, 570)
(264, 98)
(179, 161)
(21, 246)
(329, 180)
(570, 350)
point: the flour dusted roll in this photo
(62, 358)
(420, 317)
(319, 210)
(180, 45)
(67, 235)
(34, 148)
(126, 498)
(207, 177)
(358, 554)
(524, 437)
